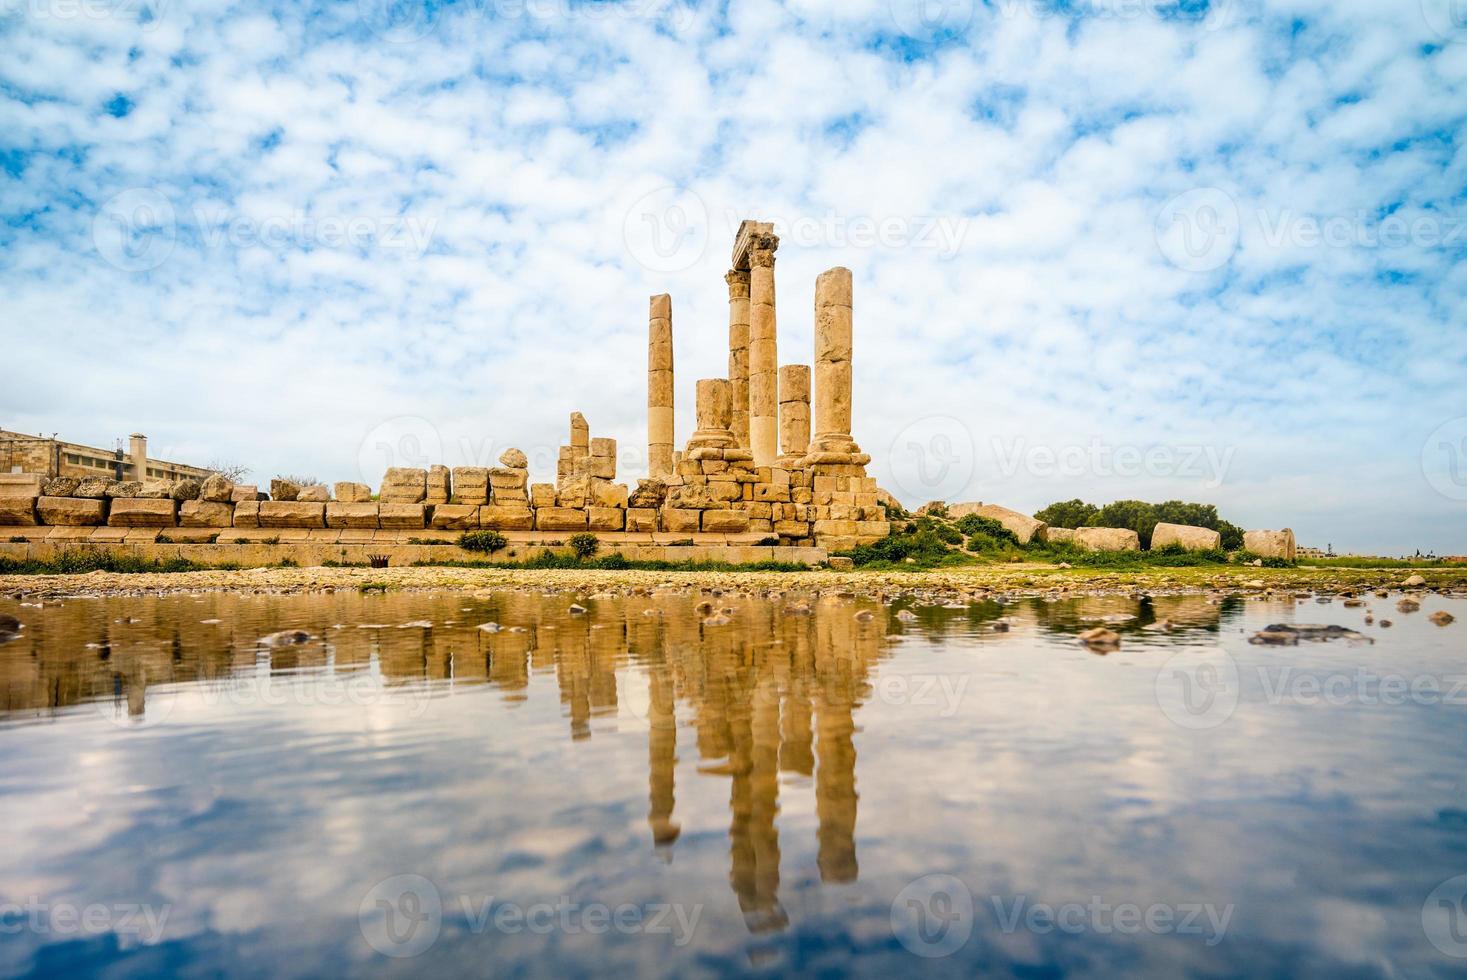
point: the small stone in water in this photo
(1100, 637)
(577, 610)
(1442, 618)
(1408, 606)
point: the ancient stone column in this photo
(580, 435)
(794, 413)
(738, 352)
(714, 413)
(833, 363)
(659, 388)
(763, 351)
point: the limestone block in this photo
(1190, 538)
(205, 513)
(1023, 526)
(1059, 535)
(641, 519)
(692, 498)
(471, 485)
(314, 494)
(596, 467)
(242, 493)
(659, 388)
(404, 485)
(680, 520)
(542, 495)
(605, 494)
(573, 493)
(352, 493)
(455, 517)
(514, 459)
(439, 485)
(725, 521)
(604, 448)
(498, 517)
(355, 515)
(185, 489)
(1271, 544)
(143, 512)
(1107, 539)
(504, 478)
(402, 517)
(18, 511)
(284, 490)
(792, 529)
(93, 488)
(292, 513)
(580, 433)
(649, 494)
(155, 490)
(59, 486)
(71, 511)
(769, 493)
(560, 519)
(247, 513)
(605, 518)
(216, 490)
(21, 484)
(758, 511)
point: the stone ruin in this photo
(750, 471)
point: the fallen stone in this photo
(93, 488)
(205, 513)
(155, 490)
(455, 517)
(59, 486)
(243, 493)
(1107, 539)
(1414, 581)
(1022, 526)
(514, 459)
(216, 490)
(1271, 544)
(185, 489)
(314, 494)
(284, 490)
(404, 485)
(352, 493)
(1185, 536)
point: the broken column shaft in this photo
(794, 413)
(659, 387)
(738, 352)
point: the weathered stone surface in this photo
(504, 478)
(641, 519)
(247, 513)
(1024, 527)
(725, 521)
(560, 519)
(185, 489)
(404, 485)
(580, 433)
(143, 512)
(216, 490)
(292, 513)
(284, 490)
(605, 518)
(155, 490)
(455, 517)
(59, 486)
(352, 493)
(471, 485)
(574, 492)
(71, 511)
(514, 459)
(20, 485)
(1271, 544)
(243, 493)
(1187, 536)
(1059, 535)
(93, 487)
(314, 494)
(649, 494)
(542, 495)
(18, 511)
(402, 517)
(499, 517)
(1107, 539)
(680, 520)
(605, 494)
(356, 515)
(205, 513)
(439, 488)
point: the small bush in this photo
(986, 526)
(615, 562)
(770, 542)
(584, 545)
(485, 541)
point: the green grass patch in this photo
(80, 562)
(619, 563)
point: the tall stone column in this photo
(833, 363)
(659, 387)
(763, 351)
(794, 413)
(738, 352)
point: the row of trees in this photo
(1141, 517)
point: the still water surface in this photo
(823, 785)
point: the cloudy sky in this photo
(1102, 248)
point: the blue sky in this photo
(1115, 248)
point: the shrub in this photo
(616, 562)
(987, 527)
(584, 545)
(1068, 513)
(485, 541)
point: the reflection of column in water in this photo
(842, 653)
(572, 673)
(606, 638)
(661, 757)
(753, 713)
(795, 753)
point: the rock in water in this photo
(1101, 638)
(1442, 618)
(1408, 606)
(285, 638)
(1414, 581)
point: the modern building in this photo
(49, 456)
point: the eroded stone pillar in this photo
(833, 363)
(659, 387)
(714, 412)
(580, 435)
(794, 413)
(763, 351)
(738, 352)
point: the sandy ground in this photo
(967, 582)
